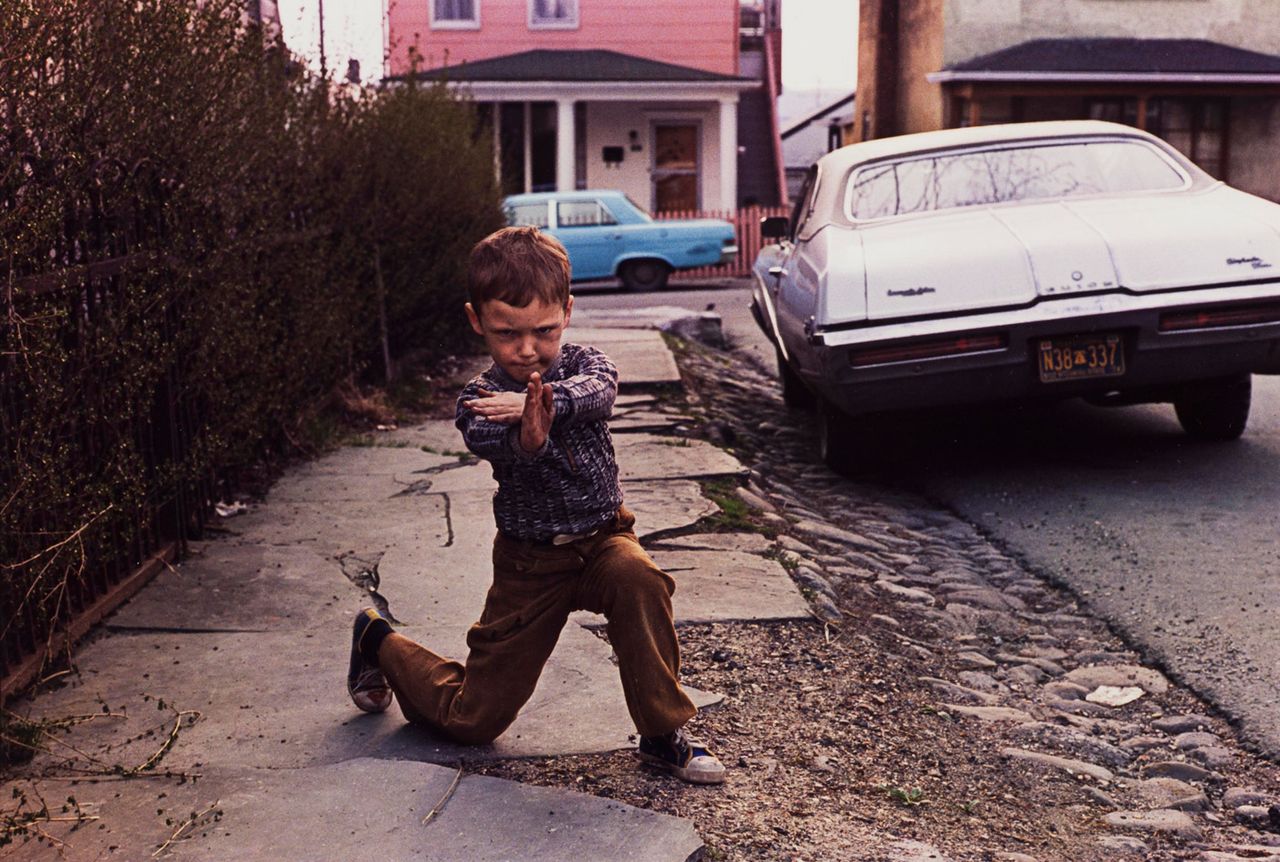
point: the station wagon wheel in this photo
(644, 275)
(840, 441)
(794, 393)
(1215, 409)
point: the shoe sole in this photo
(686, 775)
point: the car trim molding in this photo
(1043, 310)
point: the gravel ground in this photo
(840, 742)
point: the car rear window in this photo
(582, 214)
(528, 215)
(987, 176)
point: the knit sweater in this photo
(570, 485)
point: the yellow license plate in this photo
(1079, 357)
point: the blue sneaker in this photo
(365, 683)
(682, 757)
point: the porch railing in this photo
(746, 227)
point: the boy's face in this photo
(521, 340)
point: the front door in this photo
(675, 167)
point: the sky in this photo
(818, 39)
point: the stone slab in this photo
(666, 505)
(502, 821)
(651, 456)
(644, 361)
(714, 586)
(747, 543)
(368, 808)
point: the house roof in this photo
(589, 65)
(1117, 59)
(817, 115)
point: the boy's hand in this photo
(538, 414)
(505, 408)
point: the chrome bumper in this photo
(1156, 362)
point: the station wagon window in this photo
(975, 177)
(583, 214)
(553, 14)
(458, 14)
(528, 215)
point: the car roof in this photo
(902, 145)
(543, 197)
(836, 166)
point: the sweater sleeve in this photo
(586, 394)
(492, 441)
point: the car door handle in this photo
(617, 236)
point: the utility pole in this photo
(324, 66)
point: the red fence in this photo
(746, 227)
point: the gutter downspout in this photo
(772, 87)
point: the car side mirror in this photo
(775, 227)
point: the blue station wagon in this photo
(607, 235)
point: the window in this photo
(976, 177)
(528, 215)
(583, 214)
(553, 14)
(458, 14)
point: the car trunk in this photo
(1013, 255)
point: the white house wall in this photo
(608, 125)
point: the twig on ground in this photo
(448, 794)
(183, 827)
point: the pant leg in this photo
(524, 612)
(624, 584)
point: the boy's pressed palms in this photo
(539, 413)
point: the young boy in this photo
(564, 540)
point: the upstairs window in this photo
(553, 14)
(457, 14)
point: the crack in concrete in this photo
(448, 518)
(363, 573)
(463, 461)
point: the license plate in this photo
(1080, 357)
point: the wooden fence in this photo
(746, 227)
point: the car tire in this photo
(841, 441)
(794, 393)
(644, 275)
(1216, 409)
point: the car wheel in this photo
(794, 393)
(841, 443)
(1216, 409)
(644, 275)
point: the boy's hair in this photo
(518, 265)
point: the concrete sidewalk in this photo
(238, 657)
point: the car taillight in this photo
(928, 349)
(1207, 318)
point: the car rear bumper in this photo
(995, 355)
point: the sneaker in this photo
(682, 757)
(365, 683)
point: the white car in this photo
(1031, 260)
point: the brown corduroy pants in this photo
(535, 587)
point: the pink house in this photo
(646, 97)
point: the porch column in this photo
(497, 141)
(528, 147)
(565, 136)
(729, 153)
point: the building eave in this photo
(611, 91)
(948, 76)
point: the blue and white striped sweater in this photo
(571, 484)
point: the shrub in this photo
(193, 231)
